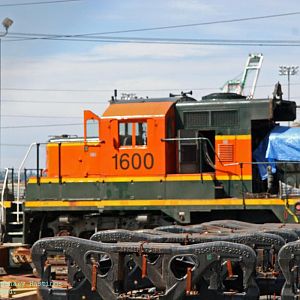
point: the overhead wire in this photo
(127, 90)
(73, 102)
(177, 26)
(97, 37)
(39, 116)
(175, 41)
(15, 145)
(57, 90)
(41, 125)
(56, 102)
(38, 3)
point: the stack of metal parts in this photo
(223, 259)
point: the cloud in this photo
(110, 67)
(146, 51)
(192, 6)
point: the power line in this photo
(40, 125)
(171, 41)
(15, 145)
(56, 102)
(159, 39)
(67, 102)
(59, 90)
(41, 117)
(38, 3)
(124, 90)
(94, 37)
(204, 23)
(180, 25)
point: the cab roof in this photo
(137, 109)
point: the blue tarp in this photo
(283, 144)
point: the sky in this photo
(48, 83)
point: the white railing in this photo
(3, 210)
(18, 202)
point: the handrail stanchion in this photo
(3, 215)
(12, 181)
(19, 181)
(25, 176)
(38, 163)
(59, 163)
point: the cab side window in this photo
(92, 128)
(133, 133)
(125, 134)
(141, 134)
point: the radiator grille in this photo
(229, 118)
(225, 152)
(224, 118)
(196, 119)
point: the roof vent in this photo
(223, 96)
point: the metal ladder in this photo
(253, 65)
(16, 222)
(11, 217)
(16, 225)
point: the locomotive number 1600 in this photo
(136, 161)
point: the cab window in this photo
(125, 134)
(133, 133)
(92, 128)
(141, 134)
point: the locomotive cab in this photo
(125, 141)
(133, 132)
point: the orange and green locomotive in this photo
(154, 162)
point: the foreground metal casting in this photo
(266, 246)
(168, 271)
(289, 261)
(223, 259)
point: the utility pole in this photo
(288, 71)
(7, 22)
